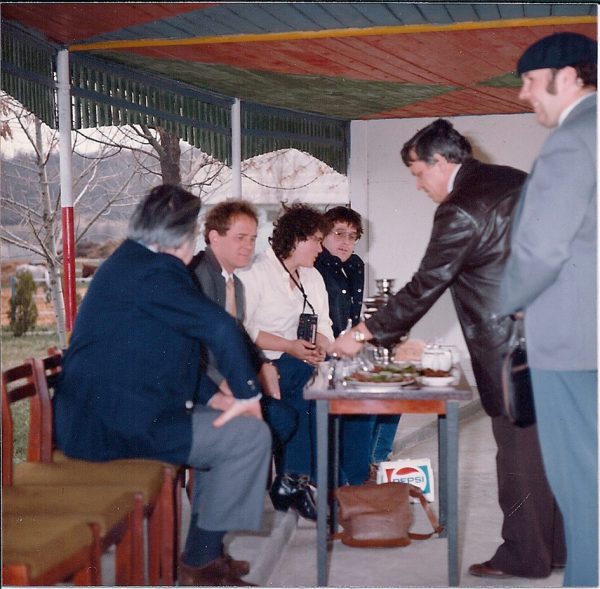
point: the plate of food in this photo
(382, 377)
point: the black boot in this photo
(292, 490)
(282, 492)
(304, 500)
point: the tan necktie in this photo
(230, 298)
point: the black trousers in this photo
(532, 529)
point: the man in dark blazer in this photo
(466, 254)
(551, 276)
(131, 376)
(230, 234)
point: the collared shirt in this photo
(565, 113)
(453, 178)
(274, 307)
(226, 274)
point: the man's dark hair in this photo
(588, 73)
(166, 217)
(345, 215)
(222, 216)
(438, 137)
(297, 223)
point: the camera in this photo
(307, 327)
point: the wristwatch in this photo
(359, 336)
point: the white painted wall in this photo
(399, 219)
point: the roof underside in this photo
(347, 60)
(301, 70)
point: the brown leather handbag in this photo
(380, 516)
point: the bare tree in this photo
(31, 197)
(160, 156)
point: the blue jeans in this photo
(365, 439)
(298, 455)
(566, 405)
(281, 418)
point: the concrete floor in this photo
(284, 553)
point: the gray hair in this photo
(166, 217)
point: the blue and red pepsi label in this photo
(416, 472)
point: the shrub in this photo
(23, 312)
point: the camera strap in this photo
(298, 283)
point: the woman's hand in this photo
(306, 351)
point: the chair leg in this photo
(137, 542)
(17, 574)
(91, 575)
(129, 557)
(154, 562)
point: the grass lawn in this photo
(14, 351)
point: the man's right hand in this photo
(239, 407)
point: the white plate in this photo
(437, 381)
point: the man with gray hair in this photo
(551, 277)
(131, 376)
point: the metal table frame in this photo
(442, 401)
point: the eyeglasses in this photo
(344, 235)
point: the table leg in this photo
(452, 490)
(443, 472)
(322, 490)
(335, 478)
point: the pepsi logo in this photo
(407, 474)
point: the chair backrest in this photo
(52, 368)
(23, 382)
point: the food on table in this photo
(384, 374)
(429, 372)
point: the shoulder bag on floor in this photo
(380, 516)
(516, 379)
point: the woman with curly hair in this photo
(287, 315)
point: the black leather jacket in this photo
(467, 251)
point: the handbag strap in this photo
(435, 524)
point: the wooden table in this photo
(442, 401)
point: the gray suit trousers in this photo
(230, 471)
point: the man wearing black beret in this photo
(551, 277)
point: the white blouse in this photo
(274, 307)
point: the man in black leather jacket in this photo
(467, 252)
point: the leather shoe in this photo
(282, 491)
(292, 490)
(215, 574)
(237, 568)
(485, 569)
(304, 501)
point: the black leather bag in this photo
(516, 380)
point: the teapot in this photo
(436, 357)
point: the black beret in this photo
(558, 51)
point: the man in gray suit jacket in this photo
(551, 277)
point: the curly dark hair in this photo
(221, 216)
(297, 223)
(346, 215)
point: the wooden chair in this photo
(159, 482)
(115, 515)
